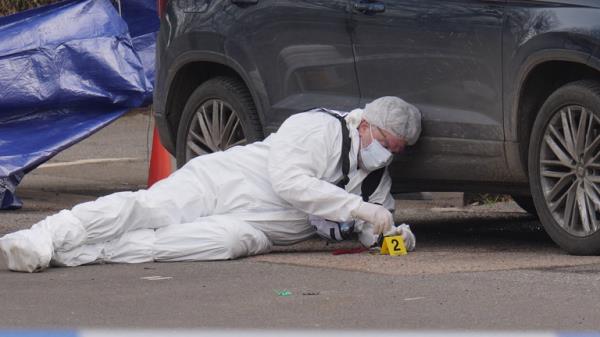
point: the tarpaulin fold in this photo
(67, 70)
(142, 20)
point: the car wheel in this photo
(526, 203)
(218, 115)
(564, 167)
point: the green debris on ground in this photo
(283, 293)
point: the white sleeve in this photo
(303, 149)
(382, 196)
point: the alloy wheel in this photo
(570, 169)
(214, 127)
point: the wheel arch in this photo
(541, 74)
(189, 71)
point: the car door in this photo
(302, 52)
(444, 56)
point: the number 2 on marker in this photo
(393, 245)
(396, 244)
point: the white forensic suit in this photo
(223, 205)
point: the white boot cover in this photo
(28, 250)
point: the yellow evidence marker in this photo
(393, 245)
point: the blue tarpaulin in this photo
(67, 70)
(142, 19)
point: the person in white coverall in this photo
(239, 202)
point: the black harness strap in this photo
(345, 159)
(369, 185)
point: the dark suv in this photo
(509, 90)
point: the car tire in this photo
(201, 131)
(526, 203)
(564, 167)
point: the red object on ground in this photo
(160, 161)
(349, 251)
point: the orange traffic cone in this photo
(160, 161)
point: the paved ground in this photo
(482, 267)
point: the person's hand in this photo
(410, 241)
(379, 216)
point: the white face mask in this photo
(374, 156)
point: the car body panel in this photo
(463, 65)
(444, 56)
(536, 32)
(541, 32)
(300, 50)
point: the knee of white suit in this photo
(217, 237)
(111, 216)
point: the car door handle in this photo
(244, 2)
(369, 7)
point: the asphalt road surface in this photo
(479, 267)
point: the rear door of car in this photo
(445, 57)
(302, 52)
